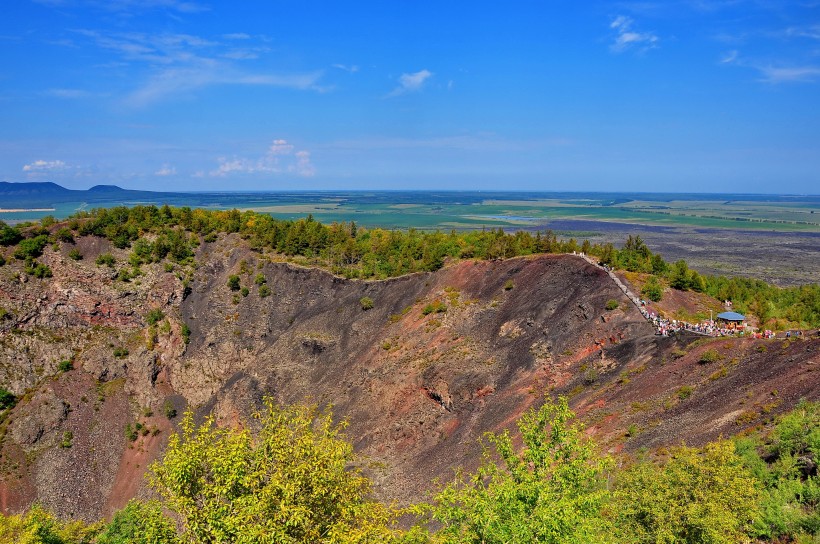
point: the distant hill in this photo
(46, 194)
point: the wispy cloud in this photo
(352, 69)
(183, 63)
(45, 166)
(166, 170)
(775, 73)
(129, 6)
(812, 32)
(626, 37)
(409, 83)
(281, 157)
(779, 74)
(729, 57)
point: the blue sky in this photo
(680, 95)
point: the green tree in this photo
(233, 282)
(551, 491)
(652, 289)
(702, 496)
(37, 526)
(140, 523)
(293, 483)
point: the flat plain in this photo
(772, 237)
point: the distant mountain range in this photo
(44, 194)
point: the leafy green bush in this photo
(652, 289)
(366, 303)
(37, 269)
(31, 248)
(9, 235)
(264, 291)
(293, 483)
(612, 304)
(7, 399)
(245, 291)
(684, 392)
(698, 496)
(154, 316)
(260, 279)
(233, 282)
(435, 307)
(105, 259)
(65, 365)
(509, 285)
(552, 491)
(169, 410)
(120, 352)
(710, 356)
(67, 439)
(140, 523)
(74, 254)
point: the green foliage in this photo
(709, 356)
(64, 235)
(40, 527)
(292, 484)
(105, 259)
(140, 523)
(9, 236)
(612, 304)
(790, 507)
(509, 285)
(7, 399)
(120, 352)
(264, 291)
(552, 491)
(435, 307)
(31, 248)
(366, 303)
(260, 279)
(74, 254)
(685, 391)
(652, 289)
(66, 441)
(185, 330)
(65, 365)
(245, 291)
(154, 316)
(169, 410)
(699, 496)
(2, 260)
(233, 282)
(37, 269)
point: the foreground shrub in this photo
(698, 496)
(292, 483)
(140, 523)
(552, 491)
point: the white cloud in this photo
(411, 82)
(772, 74)
(183, 63)
(352, 69)
(303, 166)
(280, 157)
(237, 36)
(627, 38)
(45, 166)
(729, 57)
(166, 170)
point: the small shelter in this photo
(732, 318)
